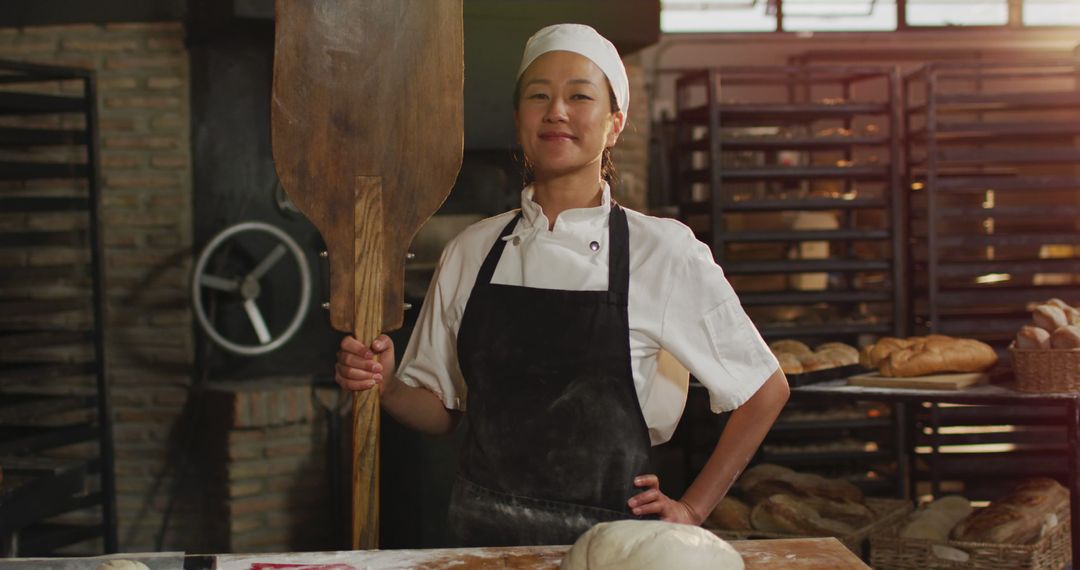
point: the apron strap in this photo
(492, 259)
(619, 252)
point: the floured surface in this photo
(799, 554)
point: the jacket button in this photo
(517, 240)
(595, 246)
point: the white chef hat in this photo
(584, 40)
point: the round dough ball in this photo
(645, 545)
(117, 564)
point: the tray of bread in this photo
(804, 365)
(933, 362)
(1046, 353)
(771, 501)
(1028, 527)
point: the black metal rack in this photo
(994, 193)
(767, 163)
(809, 160)
(56, 445)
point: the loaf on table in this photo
(919, 356)
(1020, 517)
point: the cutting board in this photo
(955, 381)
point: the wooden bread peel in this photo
(367, 132)
(957, 381)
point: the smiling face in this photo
(564, 115)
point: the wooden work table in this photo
(784, 554)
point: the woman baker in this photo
(566, 329)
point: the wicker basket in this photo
(886, 513)
(1056, 370)
(888, 551)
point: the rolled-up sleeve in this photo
(430, 360)
(707, 330)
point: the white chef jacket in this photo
(684, 316)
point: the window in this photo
(1051, 12)
(957, 12)
(860, 15)
(840, 15)
(717, 16)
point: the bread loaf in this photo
(1072, 314)
(791, 346)
(1049, 317)
(760, 472)
(935, 521)
(1032, 338)
(731, 514)
(802, 485)
(790, 364)
(844, 353)
(1018, 518)
(1066, 337)
(787, 514)
(939, 354)
(1057, 303)
(850, 512)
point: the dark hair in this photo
(607, 166)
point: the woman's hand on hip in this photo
(653, 501)
(361, 367)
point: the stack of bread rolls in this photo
(778, 499)
(1054, 326)
(796, 357)
(923, 355)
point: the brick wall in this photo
(142, 72)
(631, 153)
(266, 452)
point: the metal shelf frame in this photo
(54, 489)
(985, 137)
(800, 85)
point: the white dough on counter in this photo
(122, 565)
(645, 545)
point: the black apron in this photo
(555, 431)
